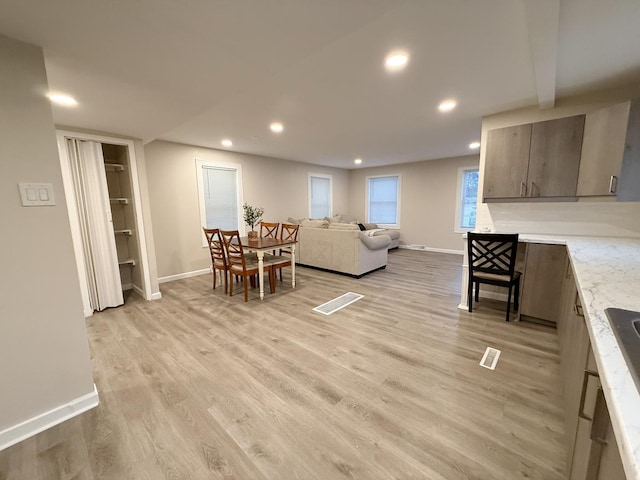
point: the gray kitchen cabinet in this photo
(603, 146)
(592, 452)
(629, 181)
(507, 162)
(543, 275)
(539, 160)
(554, 159)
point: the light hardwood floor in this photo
(200, 385)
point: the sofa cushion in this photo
(320, 223)
(343, 226)
(370, 226)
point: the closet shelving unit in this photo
(116, 164)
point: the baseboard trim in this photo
(180, 276)
(46, 420)
(127, 286)
(423, 248)
(156, 296)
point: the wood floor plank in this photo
(202, 385)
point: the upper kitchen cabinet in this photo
(507, 161)
(539, 160)
(629, 181)
(603, 148)
(554, 159)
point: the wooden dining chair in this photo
(218, 256)
(269, 229)
(492, 260)
(242, 266)
(288, 232)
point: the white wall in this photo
(428, 199)
(620, 219)
(43, 340)
(279, 186)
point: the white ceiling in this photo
(198, 71)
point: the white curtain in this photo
(94, 211)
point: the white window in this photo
(383, 200)
(467, 199)
(320, 195)
(220, 192)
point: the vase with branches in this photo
(252, 216)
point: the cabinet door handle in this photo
(583, 393)
(613, 184)
(600, 422)
(599, 428)
(523, 189)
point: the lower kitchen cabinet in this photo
(592, 452)
(542, 281)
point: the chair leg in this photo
(231, 287)
(246, 290)
(516, 300)
(280, 274)
(470, 294)
(226, 282)
(477, 291)
(214, 278)
(509, 301)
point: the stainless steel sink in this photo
(626, 326)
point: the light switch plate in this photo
(36, 194)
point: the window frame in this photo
(398, 200)
(200, 163)
(320, 175)
(457, 228)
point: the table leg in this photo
(464, 301)
(261, 272)
(293, 265)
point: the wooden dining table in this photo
(262, 245)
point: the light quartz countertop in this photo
(607, 274)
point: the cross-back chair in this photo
(240, 265)
(218, 256)
(492, 260)
(287, 232)
(269, 229)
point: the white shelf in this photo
(114, 167)
(121, 201)
(123, 232)
(129, 261)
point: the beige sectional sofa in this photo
(341, 249)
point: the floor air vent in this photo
(338, 303)
(490, 358)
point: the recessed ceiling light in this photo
(276, 127)
(447, 105)
(227, 143)
(396, 61)
(60, 99)
(357, 161)
(474, 145)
